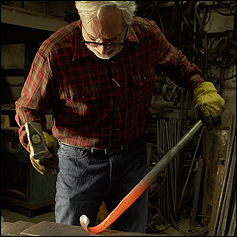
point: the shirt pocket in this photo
(82, 102)
(82, 94)
(143, 77)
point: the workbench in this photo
(45, 228)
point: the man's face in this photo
(110, 29)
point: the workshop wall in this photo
(12, 57)
(34, 6)
(20, 54)
(219, 24)
(199, 30)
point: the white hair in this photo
(97, 8)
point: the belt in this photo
(109, 151)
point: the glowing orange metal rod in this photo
(142, 185)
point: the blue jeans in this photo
(87, 179)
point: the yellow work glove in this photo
(47, 165)
(209, 103)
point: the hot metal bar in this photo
(143, 184)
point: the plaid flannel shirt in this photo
(99, 103)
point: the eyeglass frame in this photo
(105, 44)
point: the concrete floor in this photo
(13, 214)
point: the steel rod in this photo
(190, 169)
(227, 164)
(229, 181)
(143, 184)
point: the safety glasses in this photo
(97, 44)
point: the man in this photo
(97, 76)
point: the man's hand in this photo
(209, 103)
(47, 165)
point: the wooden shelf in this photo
(20, 17)
(21, 26)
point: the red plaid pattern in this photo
(99, 103)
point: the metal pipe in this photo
(190, 170)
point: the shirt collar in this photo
(132, 37)
(80, 49)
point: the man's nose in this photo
(102, 49)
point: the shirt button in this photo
(117, 129)
(118, 108)
(144, 78)
(83, 97)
